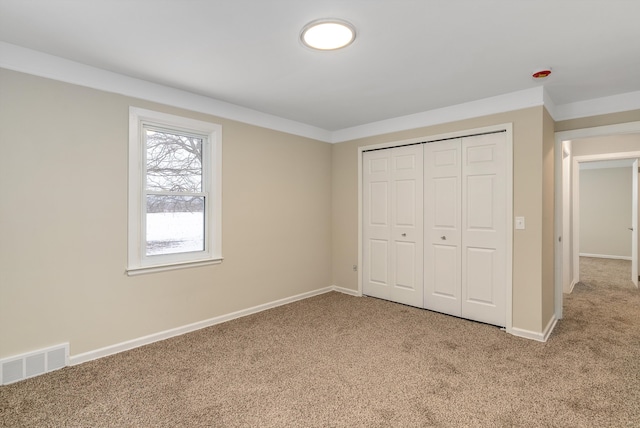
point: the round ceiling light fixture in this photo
(328, 34)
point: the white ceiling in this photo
(409, 56)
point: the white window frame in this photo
(138, 261)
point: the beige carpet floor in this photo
(341, 361)
(605, 272)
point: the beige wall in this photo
(63, 229)
(605, 211)
(602, 145)
(528, 202)
(290, 218)
(548, 221)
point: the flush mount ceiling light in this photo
(328, 34)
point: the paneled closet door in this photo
(393, 224)
(465, 184)
(484, 185)
(442, 219)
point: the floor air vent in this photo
(20, 367)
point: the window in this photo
(174, 192)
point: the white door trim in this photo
(600, 131)
(634, 224)
(575, 192)
(508, 127)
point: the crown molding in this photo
(549, 104)
(29, 61)
(498, 104)
(597, 106)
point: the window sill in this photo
(173, 266)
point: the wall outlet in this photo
(520, 223)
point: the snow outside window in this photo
(174, 192)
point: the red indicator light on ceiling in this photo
(541, 74)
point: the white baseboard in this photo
(549, 328)
(348, 291)
(527, 334)
(533, 335)
(145, 340)
(573, 284)
(605, 256)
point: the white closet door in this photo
(376, 219)
(484, 228)
(442, 219)
(393, 224)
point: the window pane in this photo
(174, 162)
(175, 224)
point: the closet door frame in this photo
(505, 127)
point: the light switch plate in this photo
(519, 222)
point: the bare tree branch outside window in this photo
(174, 165)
